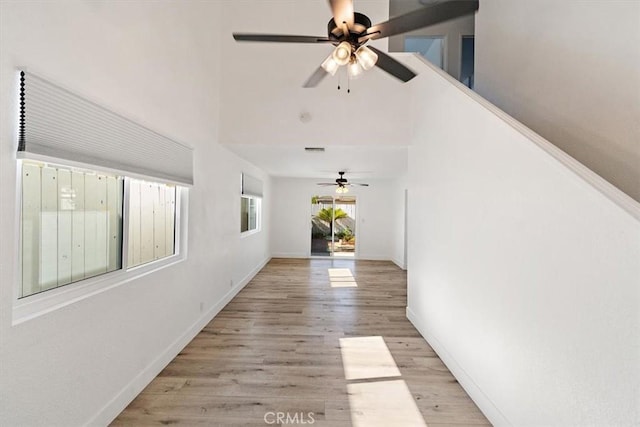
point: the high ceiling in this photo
(268, 118)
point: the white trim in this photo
(129, 392)
(293, 255)
(372, 258)
(398, 263)
(30, 307)
(248, 233)
(485, 404)
(610, 191)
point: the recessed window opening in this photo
(72, 220)
(249, 214)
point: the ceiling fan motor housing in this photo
(342, 180)
(360, 24)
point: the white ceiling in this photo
(358, 161)
(263, 99)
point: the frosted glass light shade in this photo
(342, 53)
(330, 65)
(366, 57)
(354, 69)
(342, 190)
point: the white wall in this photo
(291, 221)
(157, 63)
(524, 266)
(570, 70)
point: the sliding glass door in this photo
(333, 226)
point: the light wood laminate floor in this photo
(318, 342)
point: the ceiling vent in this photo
(314, 149)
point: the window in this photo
(249, 214)
(72, 224)
(86, 217)
(152, 211)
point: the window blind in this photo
(251, 186)
(57, 123)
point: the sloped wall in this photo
(524, 269)
(569, 70)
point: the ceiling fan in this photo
(342, 184)
(350, 31)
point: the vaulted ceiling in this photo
(268, 118)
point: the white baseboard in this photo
(485, 404)
(373, 257)
(290, 255)
(120, 401)
(399, 264)
(359, 257)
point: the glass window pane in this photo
(244, 214)
(152, 216)
(71, 225)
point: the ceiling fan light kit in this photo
(366, 57)
(349, 31)
(354, 69)
(342, 53)
(330, 65)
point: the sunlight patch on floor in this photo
(342, 278)
(383, 403)
(367, 357)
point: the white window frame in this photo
(258, 215)
(36, 305)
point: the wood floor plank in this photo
(280, 346)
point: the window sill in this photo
(249, 233)
(37, 305)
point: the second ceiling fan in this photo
(342, 183)
(350, 31)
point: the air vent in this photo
(314, 149)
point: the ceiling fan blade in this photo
(361, 185)
(315, 78)
(327, 183)
(392, 66)
(342, 11)
(278, 38)
(420, 18)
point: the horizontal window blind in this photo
(251, 186)
(57, 123)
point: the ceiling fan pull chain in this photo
(338, 81)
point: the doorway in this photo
(333, 226)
